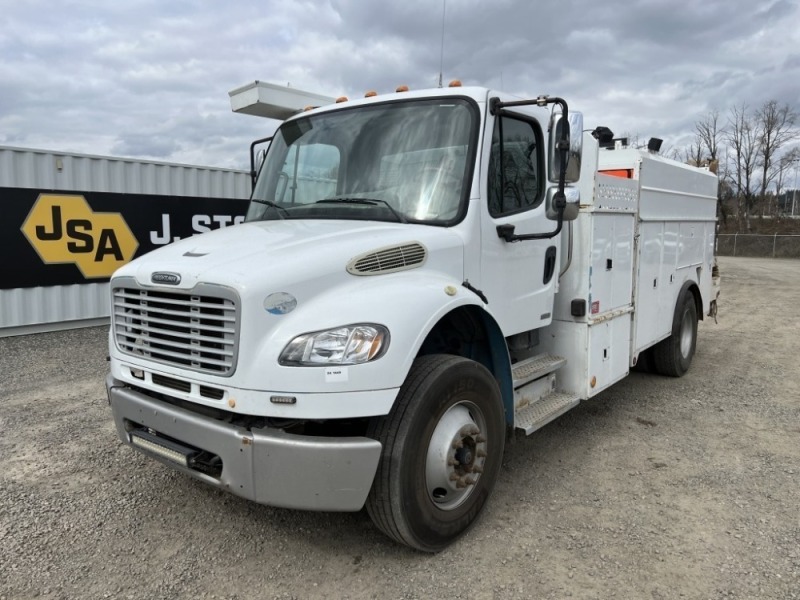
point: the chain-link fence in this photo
(758, 245)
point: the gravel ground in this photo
(658, 488)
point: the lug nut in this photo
(480, 439)
(480, 453)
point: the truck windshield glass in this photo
(402, 161)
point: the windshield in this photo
(403, 161)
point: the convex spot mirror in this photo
(573, 197)
(574, 125)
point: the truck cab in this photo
(418, 274)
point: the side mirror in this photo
(574, 125)
(573, 197)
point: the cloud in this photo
(150, 79)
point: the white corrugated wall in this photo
(26, 310)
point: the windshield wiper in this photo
(364, 201)
(272, 204)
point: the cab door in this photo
(518, 278)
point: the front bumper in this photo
(268, 466)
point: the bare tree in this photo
(709, 134)
(787, 165)
(776, 127)
(693, 155)
(743, 137)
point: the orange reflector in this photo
(624, 173)
(341, 99)
(593, 382)
(455, 83)
(370, 94)
(402, 88)
(375, 347)
(308, 108)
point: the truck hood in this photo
(272, 256)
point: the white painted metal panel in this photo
(30, 310)
(691, 244)
(651, 325)
(26, 168)
(273, 101)
(609, 352)
(611, 273)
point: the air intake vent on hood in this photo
(388, 260)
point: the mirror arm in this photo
(253, 158)
(559, 199)
(507, 231)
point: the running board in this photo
(537, 415)
(534, 368)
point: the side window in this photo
(515, 182)
(310, 173)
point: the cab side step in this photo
(536, 400)
(537, 415)
(535, 367)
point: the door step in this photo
(535, 367)
(537, 415)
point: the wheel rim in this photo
(456, 455)
(687, 334)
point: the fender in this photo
(408, 303)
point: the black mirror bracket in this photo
(253, 172)
(506, 231)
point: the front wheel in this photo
(673, 356)
(442, 450)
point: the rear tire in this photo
(673, 356)
(442, 450)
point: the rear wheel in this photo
(442, 449)
(673, 356)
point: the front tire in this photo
(442, 450)
(673, 356)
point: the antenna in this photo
(441, 54)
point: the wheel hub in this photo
(686, 335)
(456, 456)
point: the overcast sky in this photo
(150, 78)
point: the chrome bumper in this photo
(266, 465)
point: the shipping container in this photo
(69, 220)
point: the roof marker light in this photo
(402, 88)
(455, 83)
(370, 94)
(341, 99)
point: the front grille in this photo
(197, 329)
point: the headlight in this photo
(348, 345)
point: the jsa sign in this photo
(64, 229)
(63, 238)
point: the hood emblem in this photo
(165, 278)
(280, 303)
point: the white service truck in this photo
(419, 274)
